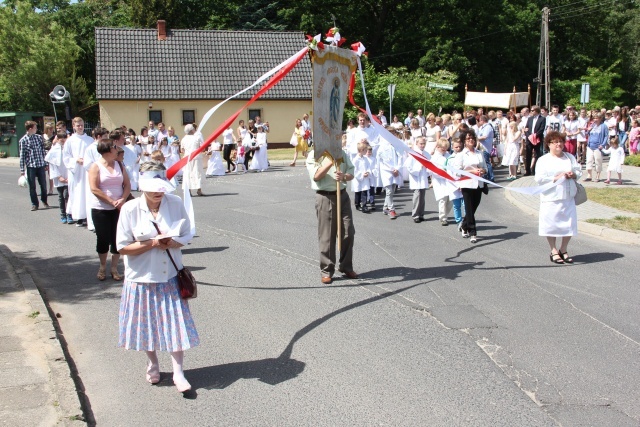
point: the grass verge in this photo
(619, 223)
(625, 199)
(283, 154)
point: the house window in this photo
(188, 117)
(155, 116)
(254, 113)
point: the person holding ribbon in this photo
(153, 316)
(558, 215)
(471, 161)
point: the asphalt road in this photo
(436, 332)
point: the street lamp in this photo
(59, 95)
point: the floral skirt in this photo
(154, 317)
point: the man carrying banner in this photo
(329, 167)
(324, 175)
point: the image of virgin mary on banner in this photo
(332, 68)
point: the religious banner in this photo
(332, 68)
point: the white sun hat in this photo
(155, 182)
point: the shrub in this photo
(632, 160)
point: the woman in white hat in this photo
(152, 315)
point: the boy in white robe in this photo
(91, 156)
(389, 165)
(418, 179)
(374, 178)
(361, 172)
(442, 188)
(58, 173)
(73, 158)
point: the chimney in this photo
(162, 30)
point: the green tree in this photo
(37, 55)
(603, 91)
(81, 19)
(411, 91)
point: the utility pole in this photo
(544, 75)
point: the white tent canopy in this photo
(496, 100)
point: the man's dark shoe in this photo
(350, 274)
(326, 280)
(46, 206)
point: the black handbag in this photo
(186, 282)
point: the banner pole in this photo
(338, 211)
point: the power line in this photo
(568, 16)
(593, 6)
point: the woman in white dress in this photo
(416, 131)
(432, 132)
(143, 142)
(174, 145)
(558, 216)
(215, 166)
(193, 170)
(511, 156)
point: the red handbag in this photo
(186, 282)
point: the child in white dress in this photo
(361, 173)
(512, 151)
(260, 162)
(215, 166)
(616, 160)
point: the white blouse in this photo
(548, 166)
(467, 160)
(136, 225)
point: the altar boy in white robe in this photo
(389, 167)
(418, 179)
(443, 189)
(73, 158)
(91, 156)
(361, 173)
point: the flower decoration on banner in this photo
(333, 37)
(359, 49)
(315, 43)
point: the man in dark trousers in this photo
(535, 126)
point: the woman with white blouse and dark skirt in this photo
(471, 161)
(153, 316)
(110, 188)
(558, 215)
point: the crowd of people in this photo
(478, 143)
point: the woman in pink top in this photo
(110, 188)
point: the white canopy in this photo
(497, 100)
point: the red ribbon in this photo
(279, 75)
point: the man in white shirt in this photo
(421, 118)
(382, 118)
(162, 133)
(554, 120)
(152, 130)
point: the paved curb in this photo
(600, 231)
(62, 383)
